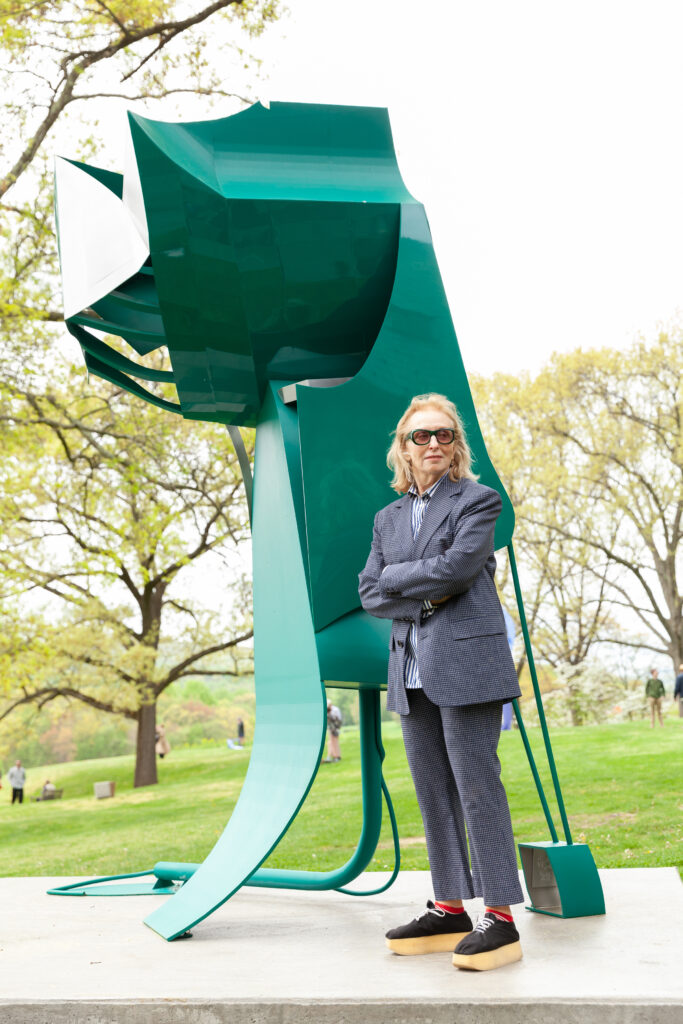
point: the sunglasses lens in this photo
(444, 436)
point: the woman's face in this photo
(429, 461)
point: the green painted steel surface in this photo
(290, 706)
(562, 879)
(372, 754)
(161, 886)
(97, 887)
(284, 248)
(345, 430)
(273, 243)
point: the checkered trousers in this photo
(456, 773)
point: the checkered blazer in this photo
(462, 649)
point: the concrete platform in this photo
(282, 957)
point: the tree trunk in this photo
(145, 755)
(574, 706)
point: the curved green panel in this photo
(122, 380)
(308, 151)
(290, 703)
(353, 651)
(259, 281)
(110, 179)
(109, 356)
(141, 325)
(344, 430)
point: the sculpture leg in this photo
(290, 699)
(372, 754)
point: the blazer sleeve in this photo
(373, 601)
(454, 571)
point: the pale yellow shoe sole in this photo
(425, 944)
(492, 958)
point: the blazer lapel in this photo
(438, 507)
(402, 524)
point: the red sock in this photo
(499, 914)
(450, 910)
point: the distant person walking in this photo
(162, 747)
(654, 691)
(334, 724)
(240, 732)
(678, 691)
(17, 780)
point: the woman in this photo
(431, 569)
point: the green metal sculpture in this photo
(279, 258)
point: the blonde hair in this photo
(396, 456)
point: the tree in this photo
(60, 58)
(620, 415)
(109, 505)
(592, 453)
(565, 587)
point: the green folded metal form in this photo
(293, 281)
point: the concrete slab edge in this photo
(177, 1011)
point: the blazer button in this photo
(400, 643)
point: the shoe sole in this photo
(426, 944)
(489, 960)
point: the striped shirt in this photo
(412, 675)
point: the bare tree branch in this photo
(51, 693)
(180, 668)
(75, 64)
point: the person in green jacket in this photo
(654, 691)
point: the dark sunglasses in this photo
(444, 436)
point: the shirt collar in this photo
(430, 490)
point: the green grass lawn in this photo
(621, 785)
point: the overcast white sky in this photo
(544, 140)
